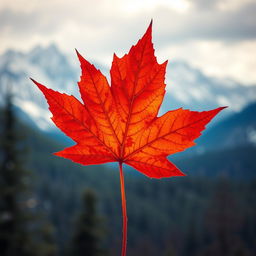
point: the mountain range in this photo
(186, 86)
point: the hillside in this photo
(236, 130)
(233, 163)
(158, 209)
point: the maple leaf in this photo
(120, 123)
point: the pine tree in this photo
(20, 232)
(14, 238)
(46, 246)
(87, 239)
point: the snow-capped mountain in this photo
(191, 88)
(47, 65)
(186, 86)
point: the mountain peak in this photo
(50, 50)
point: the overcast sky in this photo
(218, 36)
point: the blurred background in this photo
(52, 207)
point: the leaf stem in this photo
(122, 187)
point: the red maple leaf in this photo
(120, 123)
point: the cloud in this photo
(13, 23)
(216, 58)
(194, 21)
(208, 24)
(99, 28)
(220, 4)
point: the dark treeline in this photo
(23, 231)
(88, 231)
(188, 216)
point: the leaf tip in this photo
(151, 22)
(182, 174)
(149, 30)
(165, 63)
(40, 86)
(178, 173)
(57, 153)
(80, 57)
(221, 108)
(114, 56)
(34, 81)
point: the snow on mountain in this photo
(186, 86)
(47, 65)
(190, 88)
